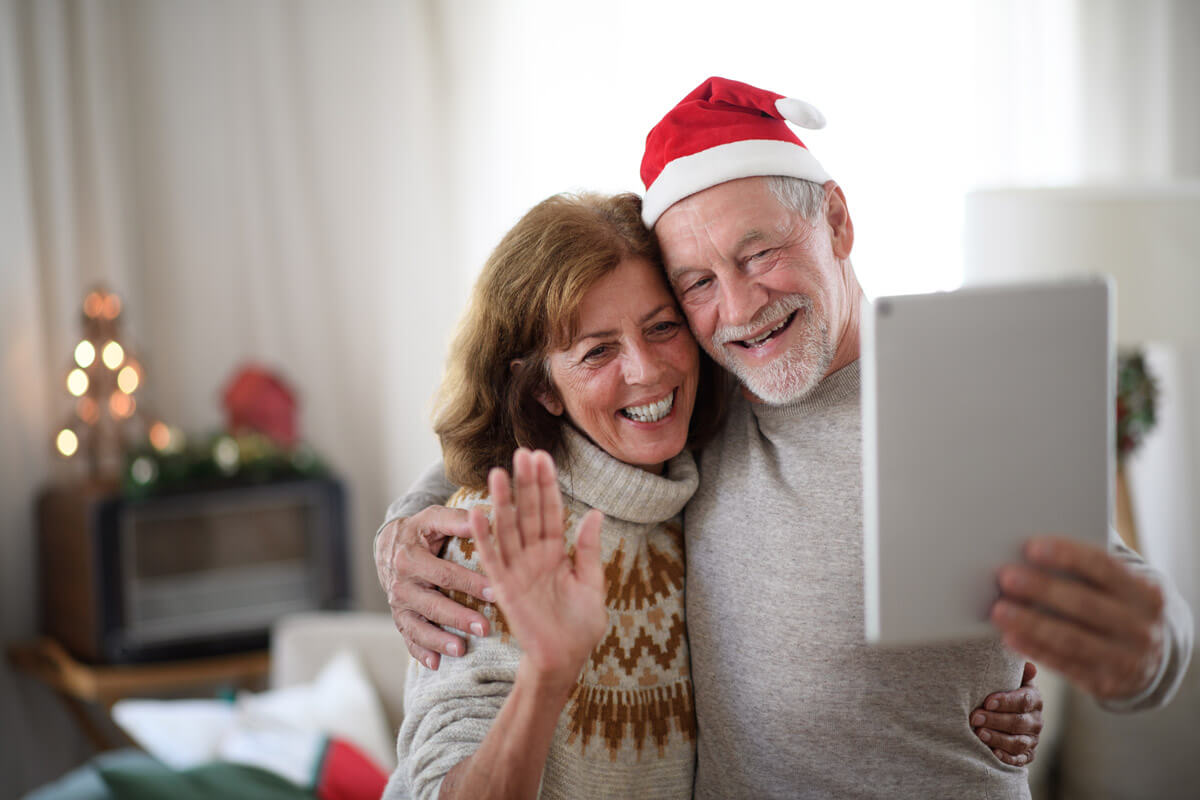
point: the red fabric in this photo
(347, 774)
(716, 112)
(258, 400)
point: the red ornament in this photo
(258, 400)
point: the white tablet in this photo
(987, 419)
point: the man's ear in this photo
(837, 214)
(548, 400)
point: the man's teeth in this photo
(652, 412)
(763, 337)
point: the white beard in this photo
(794, 373)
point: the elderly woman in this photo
(573, 346)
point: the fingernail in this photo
(489, 595)
(1015, 579)
(476, 629)
(429, 662)
(978, 720)
(993, 704)
(985, 735)
(452, 649)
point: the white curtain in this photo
(262, 182)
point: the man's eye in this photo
(761, 254)
(699, 284)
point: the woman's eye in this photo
(665, 327)
(596, 353)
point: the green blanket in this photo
(133, 775)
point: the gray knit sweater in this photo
(780, 510)
(628, 729)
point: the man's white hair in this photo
(796, 194)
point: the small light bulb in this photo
(143, 470)
(121, 405)
(88, 410)
(160, 436)
(112, 354)
(67, 442)
(227, 454)
(112, 307)
(93, 305)
(77, 382)
(85, 354)
(127, 380)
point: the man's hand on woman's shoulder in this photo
(411, 572)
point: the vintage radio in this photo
(187, 574)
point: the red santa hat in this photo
(722, 131)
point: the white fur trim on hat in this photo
(798, 112)
(745, 159)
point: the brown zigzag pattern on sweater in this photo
(627, 657)
(646, 583)
(644, 713)
(611, 713)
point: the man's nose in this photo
(741, 299)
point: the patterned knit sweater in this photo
(628, 729)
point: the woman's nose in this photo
(642, 365)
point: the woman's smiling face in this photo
(628, 379)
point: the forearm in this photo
(509, 761)
(430, 488)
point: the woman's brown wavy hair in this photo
(525, 305)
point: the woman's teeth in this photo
(652, 412)
(757, 340)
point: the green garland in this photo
(1137, 399)
(217, 460)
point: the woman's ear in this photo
(550, 403)
(547, 399)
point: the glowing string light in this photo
(112, 355)
(85, 353)
(67, 442)
(77, 382)
(121, 405)
(88, 410)
(127, 380)
(160, 436)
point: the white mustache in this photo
(770, 315)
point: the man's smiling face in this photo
(768, 294)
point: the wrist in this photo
(549, 685)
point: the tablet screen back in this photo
(987, 419)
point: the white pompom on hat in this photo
(724, 130)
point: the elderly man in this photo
(790, 700)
